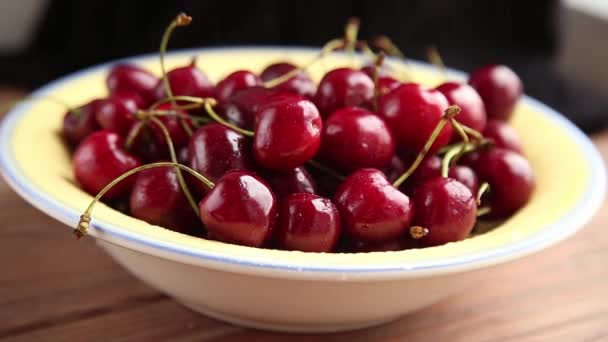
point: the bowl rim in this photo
(571, 222)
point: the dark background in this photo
(523, 34)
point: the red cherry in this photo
(240, 108)
(215, 149)
(300, 84)
(343, 87)
(237, 80)
(287, 133)
(308, 223)
(186, 81)
(394, 169)
(384, 71)
(499, 87)
(472, 111)
(128, 77)
(240, 209)
(172, 123)
(386, 84)
(466, 176)
(412, 112)
(99, 159)
(510, 177)
(430, 167)
(446, 208)
(503, 135)
(372, 210)
(79, 124)
(158, 199)
(116, 113)
(354, 138)
(145, 146)
(297, 180)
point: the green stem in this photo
(450, 112)
(483, 211)
(220, 120)
(85, 218)
(472, 132)
(483, 188)
(447, 160)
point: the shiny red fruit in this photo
(234, 82)
(240, 209)
(499, 87)
(466, 176)
(472, 111)
(300, 84)
(179, 136)
(101, 158)
(80, 124)
(128, 77)
(116, 113)
(446, 208)
(308, 223)
(503, 135)
(372, 210)
(187, 81)
(240, 108)
(294, 181)
(412, 113)
(343, 87)
(354, 138)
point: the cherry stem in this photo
(209, 108)
(326, 169)
(364, 47)
(351, 30)
(85, 218)
(387, 45)
(418, 232)
(483, 188)
(483, 211)
(448, 158)
(178, 172)
(377, 66)
(192, 99)
(472, 132)
(450, 112)
(435, 59)
(181, 19)
(329, 47)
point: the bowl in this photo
(295, 291)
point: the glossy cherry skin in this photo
(215, 149)
(129, 77)
(187, 81)
(287, 133)
(354, 138)
(308, 223)
(77, 126)
(343, 87)
(472, 111)
(116, 113)
(372, 210)
(300, 84)
(240, 209)
(384, 71)
(466, 176)
(446, 208)
(238, 80)
(429, 167)
(158, 199)
(99, 159)
(412, 112)
(145, 145)
(386, 84)
(294, 181)
(176, 130)
(511, 180)
(503, 135)
(499, 87)
(241, 106)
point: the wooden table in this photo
(54, 288)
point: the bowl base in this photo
(280, 327)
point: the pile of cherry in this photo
(360, 162)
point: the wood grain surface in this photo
(53, 288)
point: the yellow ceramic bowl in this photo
(298, 291)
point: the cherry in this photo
(239, 209)
(466, 176)
(503, 135)
(308, 223)
(215, 149)
(285, 183)
(510, 177)
(343, 87)
(158, 199)
(287, 133)
(128, 77)
(412, 112)
(178, 134)
(354, 138)
(99, 159)
(430, 167)
(241, 106)
(237, 80)
(116, 113)
(499, 87)
(300, 84)
(383, 71)
(372, 210)
(386, 84)
(394, 169)
(144, 143)
(80, 123)
(186, 81)
(446, 208)
(472, 111)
